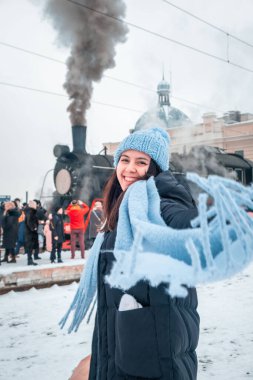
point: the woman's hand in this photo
(81, 372)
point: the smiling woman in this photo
(152, 335)
(145, 265)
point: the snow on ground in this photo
(21, 264)
(33, 347)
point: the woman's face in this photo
(133, 166)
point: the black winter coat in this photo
(1, 215)
(31, 229)
(41, 214)
(56, 226)
(159, 340)
(10, 228)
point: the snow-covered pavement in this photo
(33, 347)
(21, 263)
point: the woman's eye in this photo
(142, 163)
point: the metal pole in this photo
(42, 188)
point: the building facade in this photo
(233, 132)
(233, 135)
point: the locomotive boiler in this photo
(78, 174)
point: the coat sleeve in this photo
(54, 226)
(68, 209)
(177, 215)
(31, 222)
(85, 208)
(177, 204)
(6, 222)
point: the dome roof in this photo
(163, 86)
(166, 115)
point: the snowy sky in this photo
(33, 122)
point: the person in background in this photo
(21, 232)
(1, 219)
(96, 220)
(57, 229)
(48, 233)
(31, 232)
(76, 212)
(10, 231)
(17, 202)
(42, 217)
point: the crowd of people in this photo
(31, 227)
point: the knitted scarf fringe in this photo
(86, 290)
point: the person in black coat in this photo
(31, 231)
(41, 214)
(10, 230)
(152, 335)
(21, 229)
(1, 219)
(57, 228)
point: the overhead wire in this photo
(63, 95)
(208, 23)
(105, 76)
(162, 36)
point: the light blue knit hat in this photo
(153, 141)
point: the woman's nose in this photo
(131, 167)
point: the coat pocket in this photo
(136, 345)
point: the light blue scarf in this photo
(145, 248)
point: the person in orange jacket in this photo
(76, 212)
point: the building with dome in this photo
(164, 114)
(169, 117)
(231, 133)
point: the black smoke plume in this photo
(92, 38)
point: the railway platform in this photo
(19, 276)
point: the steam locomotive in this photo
(80, 175)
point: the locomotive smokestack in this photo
(79, 138)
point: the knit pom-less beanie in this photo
(153, 141)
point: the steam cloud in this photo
(92, 38)
(201, 160)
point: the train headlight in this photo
(63, 181)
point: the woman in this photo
(48, 233)
(31, 232)
(152, 336)
(10, 230)
(57, 229)
(95, 221)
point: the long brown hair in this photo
(113, 195)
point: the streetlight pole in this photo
(44, 180)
